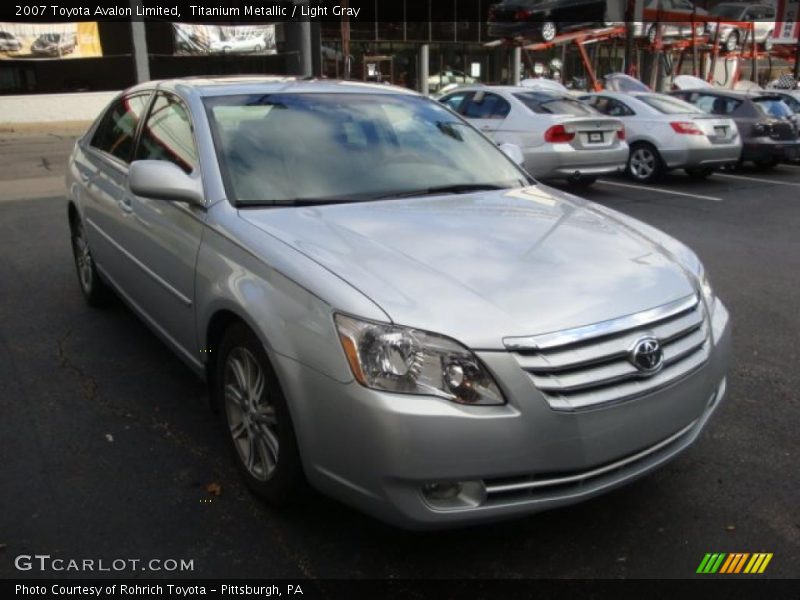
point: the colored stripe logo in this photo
(734, 563)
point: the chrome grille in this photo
(590, 366)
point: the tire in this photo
(699, 172)
(644, 163)
(732, 41)
(257, 48)
(258, 425)
(583, 181)
(766, 164)
(226, 49)
(548, 31)
(94, 289)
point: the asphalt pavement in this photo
(108, 449)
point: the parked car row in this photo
(642, 132)
(560, 137)
(545, 19)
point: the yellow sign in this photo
(43, 41)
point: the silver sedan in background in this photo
(386, 305)
(667, 133)
(560, 137)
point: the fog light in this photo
(454, 495)
(442, 491)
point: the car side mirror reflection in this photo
(513, 152)
(163, 180)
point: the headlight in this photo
(409, 361)
(707, 290)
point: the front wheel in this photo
(259, 427)
(94, 289)
(644, 163)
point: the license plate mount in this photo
(595, 137)
(721, 131)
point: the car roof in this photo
(509, 89)
(207, 86)
(715, 91)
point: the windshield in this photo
(281, 148)
(728, 11)
(669, 105)
(555, 105)
(774, 107)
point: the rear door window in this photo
(485, 105)
(612, 107)
(454, 101)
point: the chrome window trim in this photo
(613, 326)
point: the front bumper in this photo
(562, 161)
(376, 451)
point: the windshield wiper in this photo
(459, 188)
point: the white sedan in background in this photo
(560, 137)
(240, 45)
(667, 133)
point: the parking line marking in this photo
(661, 190)
(758, 179)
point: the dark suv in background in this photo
(767, 125)
(543, 19)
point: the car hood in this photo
(484, 266)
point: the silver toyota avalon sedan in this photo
(387, 306)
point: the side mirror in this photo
(513, 152)
(163, 180)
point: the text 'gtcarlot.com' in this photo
(44, 562)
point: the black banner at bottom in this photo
(463, 589)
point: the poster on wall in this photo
(786, 30)
(193, 39)
(49, 40)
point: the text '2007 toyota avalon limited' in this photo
(384, 303)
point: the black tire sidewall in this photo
(98, 293)
(284, 485)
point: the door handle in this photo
(126, 204)
(85, 178)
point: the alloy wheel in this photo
(83, 259)
(642, 163)
(252, 419)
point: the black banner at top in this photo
(251, 11)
